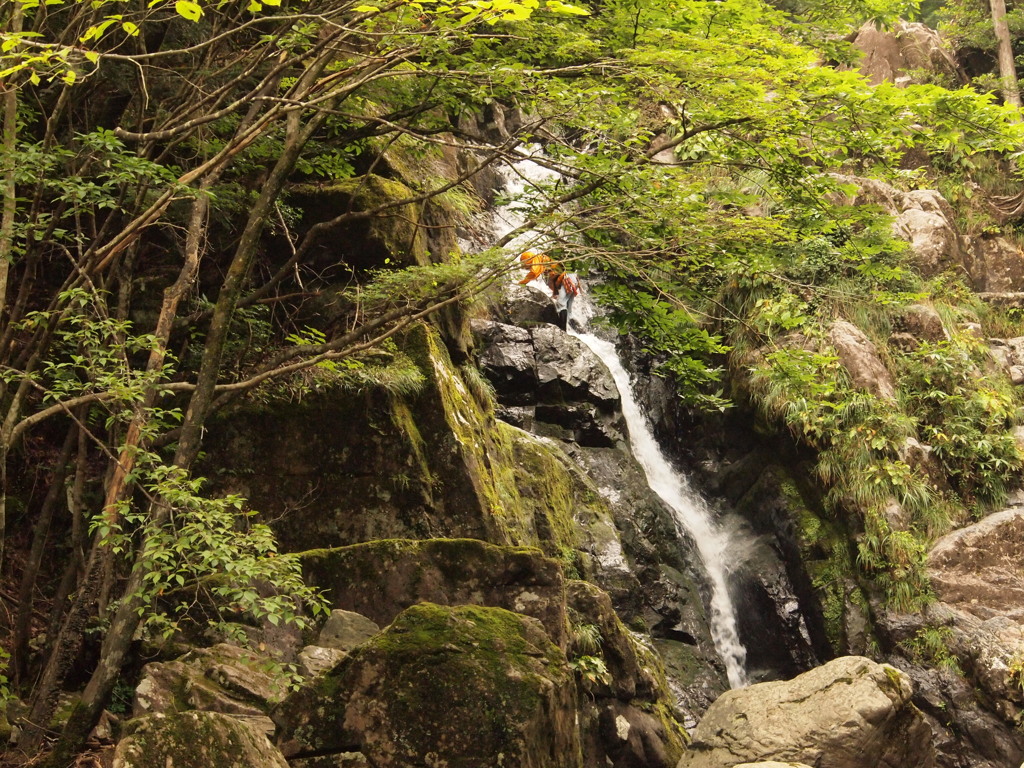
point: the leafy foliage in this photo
(173, 154)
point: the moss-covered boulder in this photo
(390, 234)
(467, 686)
(195, 740)
(380, 579)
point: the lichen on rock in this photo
(195, 740)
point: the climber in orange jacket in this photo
(565, 286)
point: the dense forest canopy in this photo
(158, 261)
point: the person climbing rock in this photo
(565, 286)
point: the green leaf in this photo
(556, 6)
(188, 9)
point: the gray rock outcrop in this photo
(977, 569)
(550, 382)
(925, 220)
(343, 631)
(861, 360)
(849, 713)
(1008, 354)
(223, 678)
(893, 54)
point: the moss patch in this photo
(380, 579)
(195, 740)
(468, 686)
(395, 234)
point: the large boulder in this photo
(998, 264)
(849, 713)
(550, 382)
(508, 360)
(861, 360)
(343, 631)
(468, 686)
(567, 369)
(925, 220)
(194, 740)
(975, 572)
(524, 305)
(223, 678)
(977, 569)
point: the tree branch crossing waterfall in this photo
(691, 512)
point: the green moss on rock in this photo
(468, 686)
(395, 233)
(195, 740)
(380, 579)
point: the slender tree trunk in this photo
(1007, 67)
(85, 714)
(8, 141)
(23, 620)
(74, 569)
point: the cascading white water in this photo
(691, 513)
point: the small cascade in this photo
(522, 180)
(691, 512)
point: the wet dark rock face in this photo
(550, 383)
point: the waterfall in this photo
(691, 513)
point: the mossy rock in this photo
(195, 740)
(380, 579)
(340, 468)
(223, 678)
(629, 717)
(394, 237)
(465, 686)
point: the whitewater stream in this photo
(692, 515)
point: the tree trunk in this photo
(9, 141)
(1007, 68)
(23, 621)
